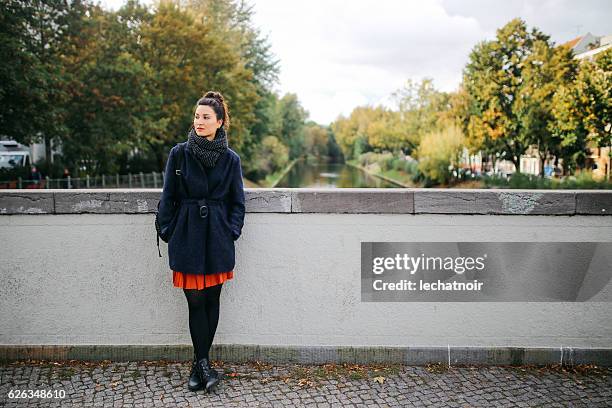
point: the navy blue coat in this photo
(202, 245)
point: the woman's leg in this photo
(198, 321)
(203, 317)
(212, 309)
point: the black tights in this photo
(203, 317)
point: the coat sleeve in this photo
(166, 214)
(237, 207)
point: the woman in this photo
(202, 204)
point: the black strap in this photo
(178, 166)
(178, 162)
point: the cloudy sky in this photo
(336, 55)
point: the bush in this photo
(271, 156)
(411, 167)
(437, 152)
(13, 173)
(366, 158)
(385, 161)
(584, 180)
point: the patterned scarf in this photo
(207, 151)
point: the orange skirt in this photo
(193, 281)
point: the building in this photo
(589, 45)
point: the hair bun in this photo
(214, 95)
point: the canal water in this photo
(331, 175)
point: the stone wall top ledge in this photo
(325, 200)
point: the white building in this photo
(588, 45)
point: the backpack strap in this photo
(158, 251)
(178, 163)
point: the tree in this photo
(315, 140)
(494, 79)
(182, 69)
(387, 131)
(292, 116)
(333, 149)
(110, 102)
(352, 132)
(33, 35)
(271, 156)
(596, 82)
(582, 110)
(252, 103)
(545, 70)
(419, 107)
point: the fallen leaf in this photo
(379, 379)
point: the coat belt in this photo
(203, 203)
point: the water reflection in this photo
(331, 175)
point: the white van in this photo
(13, 154)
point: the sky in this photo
(337, 55)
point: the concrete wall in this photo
(81, 268)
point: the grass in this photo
(65, 373)
(272, 179)
(401, 177)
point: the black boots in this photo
(203, 376)
(194, 379)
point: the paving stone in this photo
(106, 385)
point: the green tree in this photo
(22, 82)
(419, 106)
(595, 82)
(387, 131)
(333, 149)
(582, 110)
(110, 101)
(106, 85)
(315, 140)
(33, 36)
(494, 79)
(272, 155)
(292, 116)
(352, 132)
(253, 105)
(186, 58)
(545, 70)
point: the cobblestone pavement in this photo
(154, 384)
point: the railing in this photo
(138, 180)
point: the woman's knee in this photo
(213, 293)
(195, 298)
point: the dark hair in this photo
(217, 103)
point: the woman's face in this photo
(205, 122)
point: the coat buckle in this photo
(204, 211)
